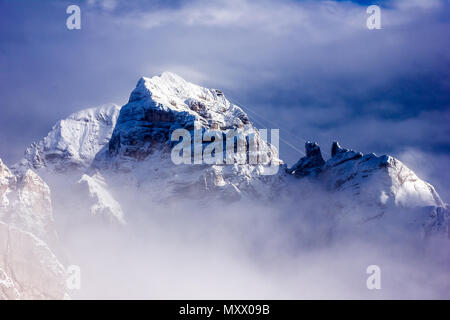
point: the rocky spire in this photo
(311, 164)
(336, 148)
(313, 150)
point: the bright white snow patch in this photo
(103, 204)
(74, 141)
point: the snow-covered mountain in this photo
(67, 152)
(159, 105)
(73, 142)
(141, 143)
(102, 163)
(370, 187)
(366, 178)
(113, 149)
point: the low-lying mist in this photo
(266, 249)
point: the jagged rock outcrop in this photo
(311, 164)
(368, 186)
(384, 178)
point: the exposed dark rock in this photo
(311, 164)
(336, 148)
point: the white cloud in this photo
(104, 4)
(421, 4)
(268, 16)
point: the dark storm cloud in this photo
(311, 68)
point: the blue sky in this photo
(310, 67)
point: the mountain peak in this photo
(312, 149)
(336, 148)
(369, 178)
(166, 75)
(170, 76)
(311, 164)
(163, 103)
(170, 89)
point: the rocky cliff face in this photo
(26, 203)
(367, 178)
(7, 183)
(28, 268)
(159, 105)
(140, 146)
(311, 164)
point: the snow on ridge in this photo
(369, 178)
(73, 142)
(162, 104)
(170, 91)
